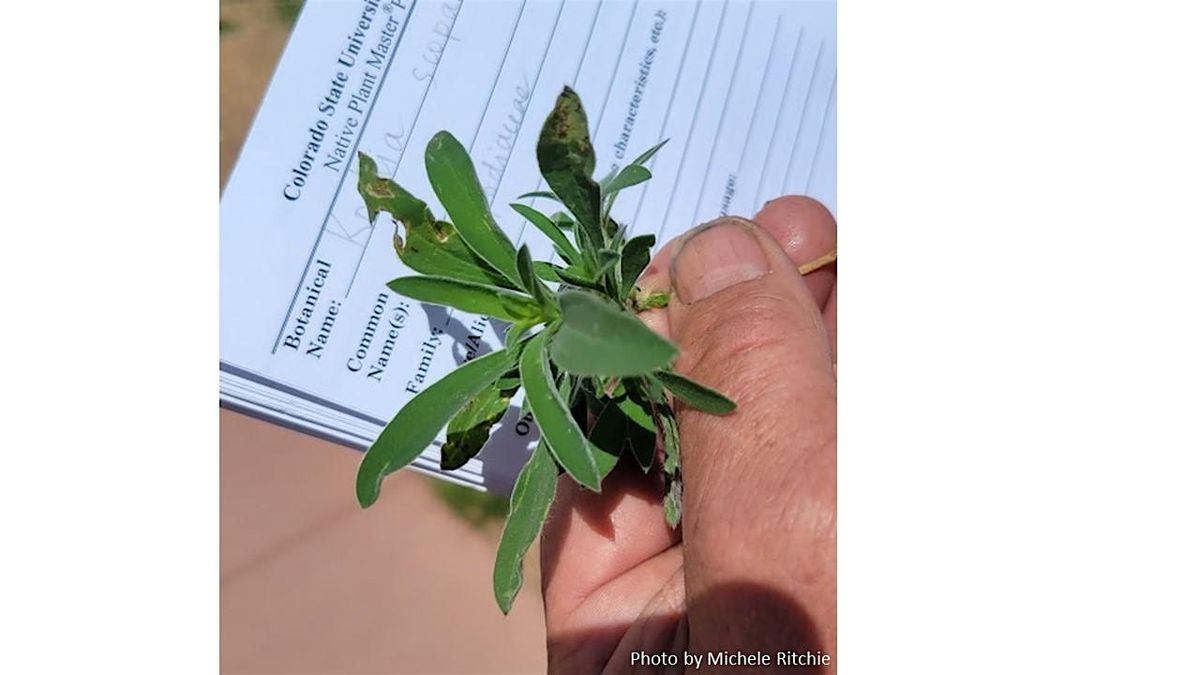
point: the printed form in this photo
(311, 337)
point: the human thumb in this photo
(759, 484)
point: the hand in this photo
(752, 567)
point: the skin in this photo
(752, 567)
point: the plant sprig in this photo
(574, 344)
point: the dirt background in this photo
(311, 583)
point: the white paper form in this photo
(310, 335)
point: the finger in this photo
(805, 230)
(830, 316)
(591, 539)
(656, 278)
(759, 484)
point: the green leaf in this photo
(547, 226)
(417, 424)
(576, 276)
(567, 160)
(469, 297)
(517, 331)
(527, 511)
(597, 337)
(645, 156)
(564, 437)
(631, 175)
(634, 258)
(539, 194)
(573, 275)
(428, 246)
(607, 262)
(643, 300)
(470, 428)
(563, 220)
(695, 394)
(452, 175)
(541, 294)
(640, 414)
(547, 271)
(615, 432)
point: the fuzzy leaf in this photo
(563, 436)
(634, 258)
(528, 507)
(563, 220)
(567, 160)
(640, 415)
(541, 294)
(469, 297)
(542, 222)
(641, 159)
(614, 432)
(452, 175)
(428, 246)
(695, 394)
(542, 194)
(597, 337)
(547, 271)
(417, 424)
(634, 174)
(576, 276)
(470, 428)
(516, 332)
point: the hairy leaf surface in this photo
(452, 175)
(469, 297)
(597, 337)
(417, 424)
(528, 507)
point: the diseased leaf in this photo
(695, 394)
(452, 175)
(469, 429)
(469, 297)
(597, 337)
(673, 502)
(670, 434)
(542, 222)
(672, 469)
(527, 511)
(567, 160)
(631, 175)
(428, 246)
(563, 436)
(417, 424)
(634, 258)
